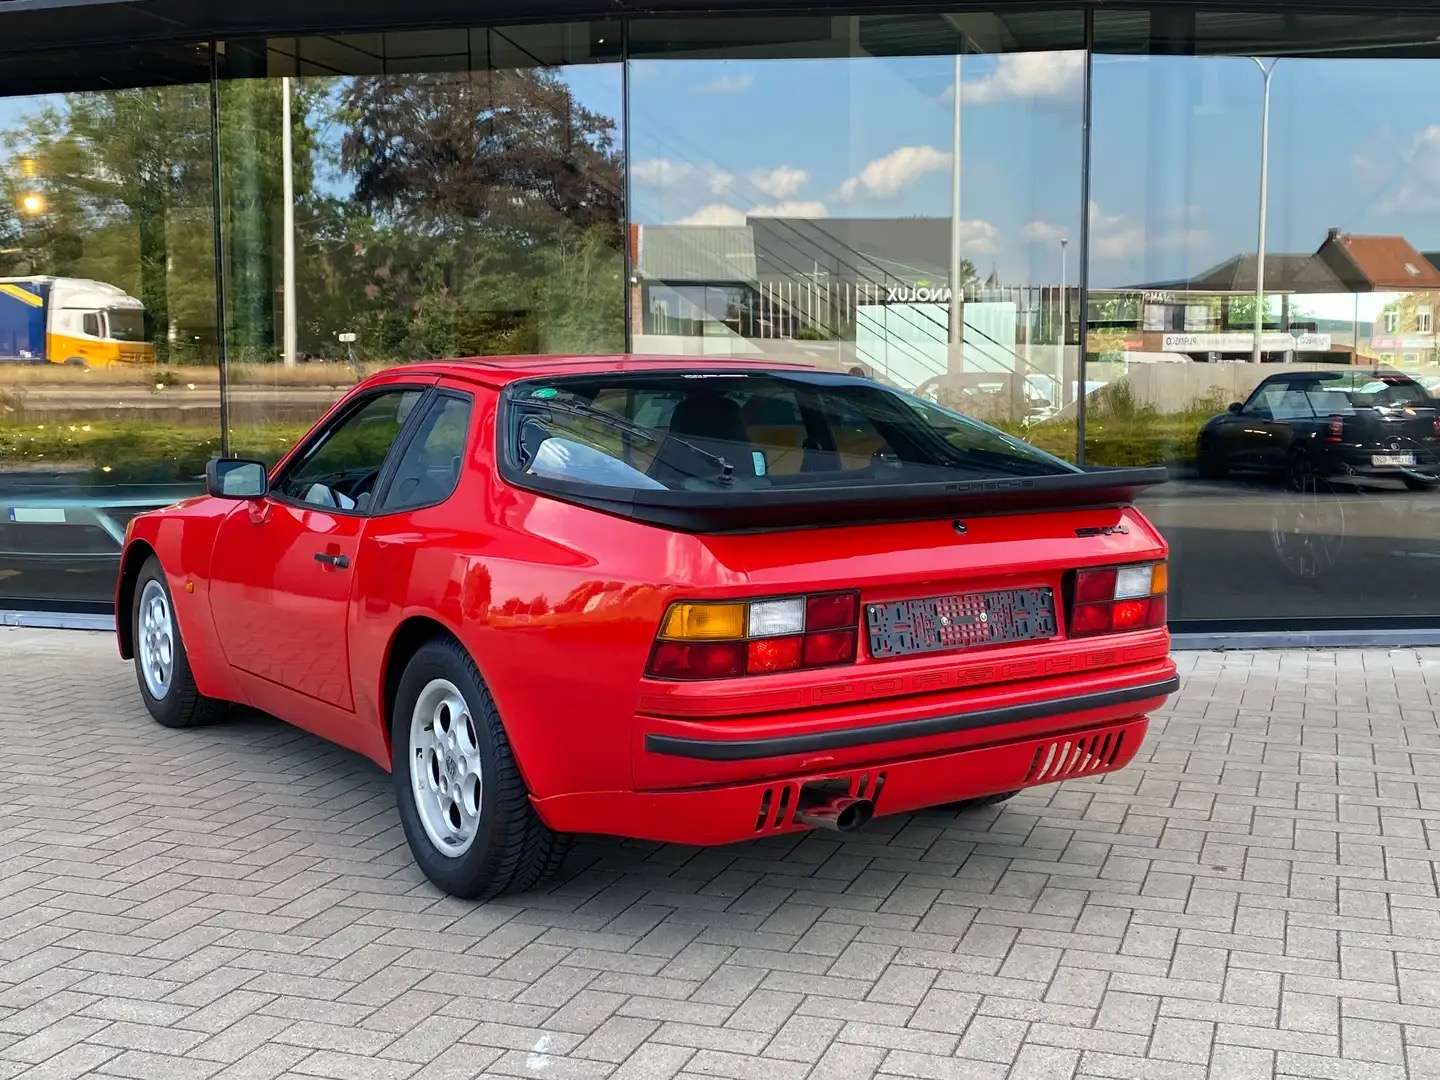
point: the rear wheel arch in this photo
(412, 633)
(135, 558)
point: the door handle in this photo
(332, 560)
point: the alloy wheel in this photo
(157, 639)
(446, 773)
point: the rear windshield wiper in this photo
(639, 431)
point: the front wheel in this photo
(1212, 463)
(463, 805)
(162, 667)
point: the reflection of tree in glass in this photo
(486, 216)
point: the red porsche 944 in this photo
(691, 601)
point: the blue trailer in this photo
(23, 317)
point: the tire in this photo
(965, 805)
(1300, 474)
(1414, 483)
(1211, 461)
(169, 691)
(463, 805)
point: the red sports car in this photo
(690, 601)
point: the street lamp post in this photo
(1063, 336)
(957, 296)
(1266, 72)
(290, 324)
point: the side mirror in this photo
(236, 478)
(1234, 407)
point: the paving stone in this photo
(1253, 897)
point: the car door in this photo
(1248, 437)
(283, 565)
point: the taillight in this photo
(1336, 431)
(1114, 599)
(705, 640)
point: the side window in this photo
(430, 466)
(341, 469)
(91, 324)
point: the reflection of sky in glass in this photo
(1177, 158)
(1355, 144)
(866, 137)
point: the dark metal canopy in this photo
(27, 26)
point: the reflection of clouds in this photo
(887, 176)
(1120, 236)
(1419, 174)
(1054, 76)
(727, 84)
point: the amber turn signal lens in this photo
(704, 622)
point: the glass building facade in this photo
(1050, 218)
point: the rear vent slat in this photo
(1062, 758)
(764, 814)
(782, 816)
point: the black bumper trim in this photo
(750, 749)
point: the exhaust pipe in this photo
(827, 804)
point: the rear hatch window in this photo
(753, 442)
(727, 432)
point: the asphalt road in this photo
(1249, 548)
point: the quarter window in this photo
(430, 466)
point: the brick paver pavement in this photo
(1256, 896)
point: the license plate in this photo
(938, 623)
(1394, 459)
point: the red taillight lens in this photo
(833, 611)
(722, 639)
(774, 654)
(1112, 600)
(830, 647)
(1336, 431)
(1129, 614)
(1090, 619)
(698, 660)
(1095, 586)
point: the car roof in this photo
(1337, 373)
(499, 370)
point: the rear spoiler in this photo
(789, 508)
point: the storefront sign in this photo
(1274, 341)
(917, 294)
(1421, 342)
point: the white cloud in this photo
(715, 214)
(978, 237)
(1114, 236)
(780, 182)
(727, 84)
(662, 172)
(796, 208)
(1029, 75)
(726, 214)
(1119, 236)
(886, 176)
(1419, 172)
(668, 173)
(1043, 232)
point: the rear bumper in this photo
(734, 812)
(869, 735)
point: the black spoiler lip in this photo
(789, 508)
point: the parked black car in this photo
(1315, 424)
